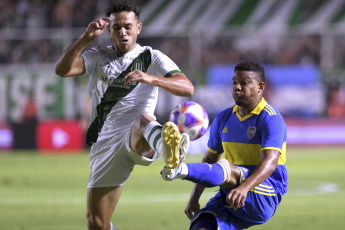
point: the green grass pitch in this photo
(40, 192)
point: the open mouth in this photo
(124, 41)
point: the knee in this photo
(141, 121)
(95, 222)
(144, 118)
(231, 172)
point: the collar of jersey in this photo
(257, 110)
(117, 54)
(121, 55)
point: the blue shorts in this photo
(260, 205)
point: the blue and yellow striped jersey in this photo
(242, 139)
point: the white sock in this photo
(153, 135)
(113, 227)
(184, 171)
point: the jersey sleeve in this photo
(273, 133)
(90, 59)
(162, 65)
(214, 144)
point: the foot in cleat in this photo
(171, 138)
(176, 155)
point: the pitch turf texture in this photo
(48, 192)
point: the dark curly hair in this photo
(123, 5)
(252, 66)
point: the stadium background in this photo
(300, 42)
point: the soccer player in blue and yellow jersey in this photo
(252, 176)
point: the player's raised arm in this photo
(71, 63)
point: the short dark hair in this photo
(252, 66)
(123, 5)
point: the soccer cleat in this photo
(169, 173)
(171, 138)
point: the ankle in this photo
(183, 171)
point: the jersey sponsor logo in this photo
(118, 83)
(114, 80)
(251, 132)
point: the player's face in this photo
(124, 29)
(246, 89)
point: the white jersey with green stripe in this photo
(115, 105)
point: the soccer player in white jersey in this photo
(123, 87)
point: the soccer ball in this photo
(191, 118)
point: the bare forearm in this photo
(193, 204)
(196, 192)
(71, 63)
(263, 170)
(178, 85)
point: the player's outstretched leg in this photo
(175, 147)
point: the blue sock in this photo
(208, 175)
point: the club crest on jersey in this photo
(138, 65)
(251, 132)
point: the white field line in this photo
(321, 189)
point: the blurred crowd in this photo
(21, 16)
(51, 13)
(18, 17)
(33, 32)
(289, 50)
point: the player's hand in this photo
(137, 76)
(96, 28)
(237, 197)
(192, 208)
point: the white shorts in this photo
(112, 161)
